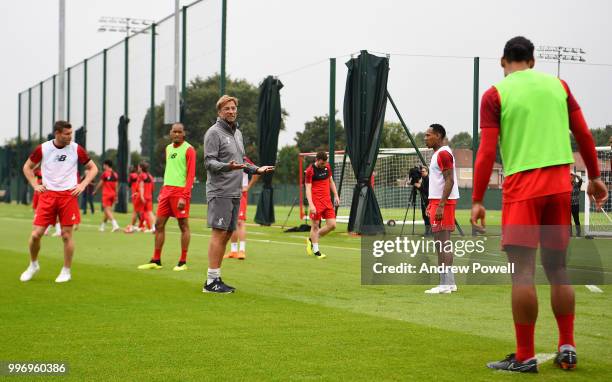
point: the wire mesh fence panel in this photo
(94, 104)
(47, 107)
(139, 90)
(76, 95)
(203, 43)
(115, 87)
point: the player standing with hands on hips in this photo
(224, 160)
(531, 113)
(58, 193)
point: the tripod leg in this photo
(289, 214)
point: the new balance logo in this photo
(216, 287)
(60, 158)
(220, 221)
(173, 156)
(228, 140)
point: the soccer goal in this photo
(598, 222)
(390, 179)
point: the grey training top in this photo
(223, 144)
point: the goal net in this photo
(598, 222)
(390, 179)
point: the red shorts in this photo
(324, 211)
(147, 206)
(35, 200)
(108, 200)
(57, 204)
(168, 206)
(136, 203)
(448, 215)
(244, 201)
(544, 220)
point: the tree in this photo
(316, 135)
(462, 140)
(600, 137)
(419, 138)
(287, 165)
(199, 114)
(394, 136)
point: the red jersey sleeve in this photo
(445, 160)
(490, 109)
(190, 156)
(36, 155)
(82, 154)
(572, 104)
(309, 174)
(490, 116)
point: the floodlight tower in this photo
(561, 53)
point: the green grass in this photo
(292, 318)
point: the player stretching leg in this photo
(531, 113)
(58, 193)
(319, 181)
(109, 194)
(136, 202)
(443, 195)
(175, 196)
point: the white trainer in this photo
(101, 229)
(29, 273)
(453, 288)
(63, 277)
(116, 228)
(440, 289)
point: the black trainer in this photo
(566, 358)
(511, 364)
(218, 286)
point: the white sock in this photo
(103, 225)
(234, 247)
(213, 273)
(315, 247)
(243, 246)
(34, 264)
(58, 227)
(65, 270)
(115, 225)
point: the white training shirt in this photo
(436, 179)
(59, 165)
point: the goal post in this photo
(598, 222)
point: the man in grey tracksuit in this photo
(224, 162)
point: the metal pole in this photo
(68, 96)
(62, 58)
(223, 47)
(332, 113)
(177, 59)
(40, 112)
(184, 68)
(85, 94)
(53, 106)
(19, 118)
(104, 104)
(475, 111)
(126, 69)
(406, 130)
(29, 114)
(152, 106)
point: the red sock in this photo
(183, 258)
(156, 254)
(525, 348)
(565, 323)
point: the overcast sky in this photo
(294, 39)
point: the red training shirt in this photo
(109, 182)
(319, 178)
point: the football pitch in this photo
(293, 317)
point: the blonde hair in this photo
(225, 99)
